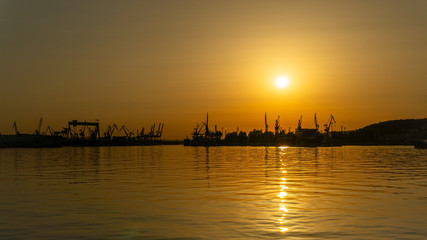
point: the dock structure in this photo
(203, 136)
(83, 133)
(305, 137)
(89, 135)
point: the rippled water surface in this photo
(176, 192)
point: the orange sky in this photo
(136, 62)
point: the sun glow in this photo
(282, 82)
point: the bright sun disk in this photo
(282, 81)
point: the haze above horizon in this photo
(139, 62)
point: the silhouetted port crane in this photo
(299, 123)
(141, 134)
(265, 121)
(127, 132)
(198, 129)
(207, 126)
(203, 136)
(160, 130)
(66, 132)
(94, 133)
(50, 130)
(70, 133)
(15, 128)
(329, 126)
(277, 128)
(151, 133)
(315, 122)
(38, 130)
(110, 131)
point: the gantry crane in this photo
(94, 133)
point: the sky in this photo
(134, 63)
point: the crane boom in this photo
(38, 130)
(51, 131)
(161, 130)
(329, 124)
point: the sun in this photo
(282, 82)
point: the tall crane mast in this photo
(266, 125)
(300, 122)
(207, 125)
(16, 128)
(277, 126)
(315, 122)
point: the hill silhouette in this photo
(394, 132)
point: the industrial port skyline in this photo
(135, 63)
(43, 127)
(155, 129)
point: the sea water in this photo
(177, 192)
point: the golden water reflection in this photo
(282, 192)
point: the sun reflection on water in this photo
(282, 193)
